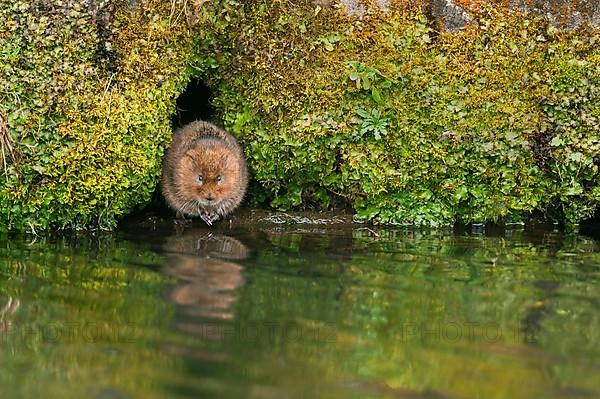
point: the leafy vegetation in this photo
(86, 94)
(383, 113)
(407, 124)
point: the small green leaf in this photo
(576, 156)
(556, 141)
(361, 112)
(376, 96)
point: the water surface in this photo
(273, 309)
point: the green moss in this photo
(406, 124)
(86, 95)
(409, 125)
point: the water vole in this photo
(204, 172)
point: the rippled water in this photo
(282, 310)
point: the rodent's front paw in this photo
(209, 217)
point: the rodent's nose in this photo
(209, 197)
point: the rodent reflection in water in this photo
(204, 265)
(9, 309)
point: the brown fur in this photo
(202, 149)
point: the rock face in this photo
(563, 13)
(454, 14)
(449, 16)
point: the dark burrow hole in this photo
(193, 104)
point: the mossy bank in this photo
(382, 112)
(86, 92)
(407, 124)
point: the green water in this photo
(265, 311)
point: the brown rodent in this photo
(204, 172)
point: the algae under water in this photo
(267, 309)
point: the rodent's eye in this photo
(219, 179)
(200, 179)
